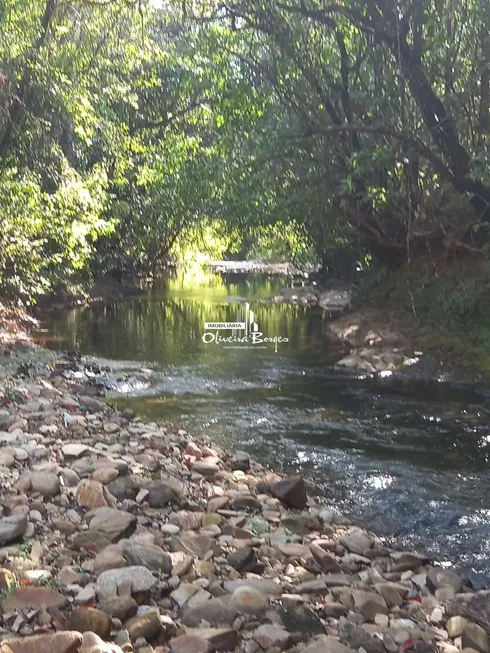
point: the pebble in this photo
(475, 637)
(247, 600)
(167, 544)
(455, 626)
(64, 642)
(149, 556)
(86, 619)
(147, 625)
(215, 612)
(190, 644)
(269, 635)
(128, 580)
(24, 598)
(87, 595)
(11, 528)
(115, 524)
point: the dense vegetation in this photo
(133, 131)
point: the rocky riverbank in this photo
(118, 534)
(390, 348)
(259, 267)
(335, 300)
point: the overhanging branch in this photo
(422, 149)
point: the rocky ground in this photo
(117, 534)
(381, 343)
(389, 347)
(259, 267)
(335, 299)
(374, 341)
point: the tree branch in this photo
(422, 149)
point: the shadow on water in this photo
(408, 464)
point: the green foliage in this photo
(450, 303)
(133, 133)
(281, 242)
(208, 240)
(457, 303)
(45, 235)
(26, 546)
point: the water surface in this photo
(412, 466)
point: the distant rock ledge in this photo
(334, 300)
(260, 267)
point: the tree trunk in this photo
(484, 109)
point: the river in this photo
(410, 466)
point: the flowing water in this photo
(414, 466)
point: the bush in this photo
(46, 237)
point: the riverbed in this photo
(411, 466)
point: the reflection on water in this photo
(414, 465)
(167, 325)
